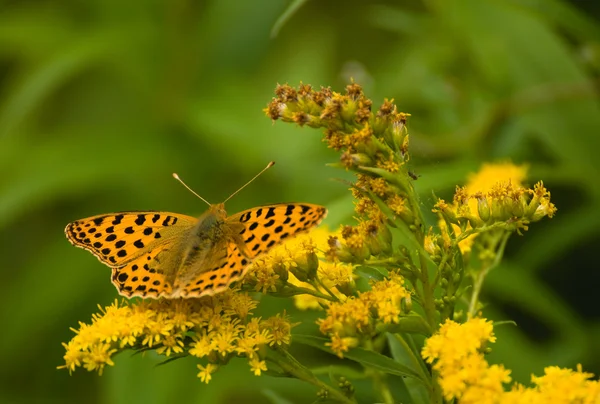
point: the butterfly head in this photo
(218, 209)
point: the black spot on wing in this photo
(141, 219)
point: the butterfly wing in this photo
(118, 238)
(269, 225)
(226, 266)
(132, 243)
(258, 229)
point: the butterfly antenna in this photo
(190, 189)
(271, 164)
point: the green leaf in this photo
(286, 15)
(369, 273)
(403, 352)
(346, 371)
(274, 397)
(365, 357)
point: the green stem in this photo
(478, 283)
(305, 291)
(428, 296)
(319, 282)
(291, 366)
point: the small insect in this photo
(161, 254)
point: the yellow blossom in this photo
(356, 316)
(257, 366)
(206, 371)
(491, 173)
(293, 256)
(212, 327)
(171, 343)
(340, 345)
(279, 328)
(456, 354)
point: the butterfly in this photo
(161, 254)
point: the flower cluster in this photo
(389, 245)
(297, 268)
(373, 144)
(457, 354)
(349, 323)
(505, 205)
(213, 328)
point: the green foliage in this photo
(101, 101)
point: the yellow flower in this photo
(495, 194)
(201, 346)
(171, 343)
(456, 354)
(98, 356)
(257, 366)
(300, 256)
(206, 371)
(213, 327)
(358, 316)
(279, 329)
(492, 173)
(340, 345)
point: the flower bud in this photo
(483, 208)
(305, 267)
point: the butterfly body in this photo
(162, 254)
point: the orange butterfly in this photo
(162, 254)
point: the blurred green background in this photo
(100, 101)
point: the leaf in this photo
(365, 357)
(369, 273)
(403, 353)
(286, 15)
(274, 397)
(346, 371)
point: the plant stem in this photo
(478, 283)
(305, 291)
(291, 366)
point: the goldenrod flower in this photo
(494, 194)
(257, 366)
(301, 257)
(456, 354)
(214, 327)
(206, 371)
(347, 321)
